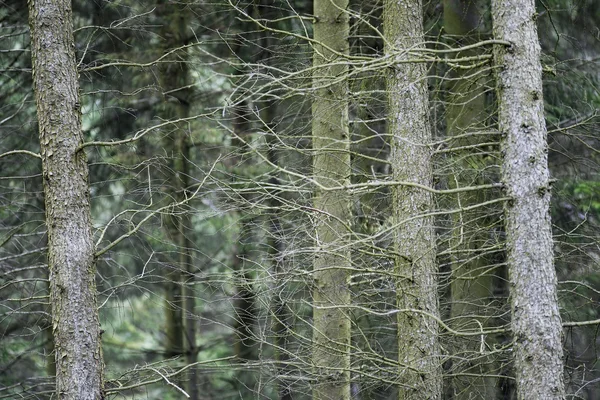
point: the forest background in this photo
(245, 246)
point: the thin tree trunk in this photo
(473, 281)
(331, 163)
(536, 322)
(173, 77)
(279, 313)
(186, 262)
(180, 303)
(245, 307)
(414, 242)
(76, 329)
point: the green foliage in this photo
(587, 196)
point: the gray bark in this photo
(331, 163)
(76, 330)
(536, 322)
(415, 265)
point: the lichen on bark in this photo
(331, 168)
(536, 322)
(414, 237)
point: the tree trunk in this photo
(173, 76)
(280, 316)
(536, 322)
(245, 304)
(246, 346)
(414, 240)
(49, 341)
(331, 164)
(174, 79)
(78, 353)
(473, 279)
(186, 262)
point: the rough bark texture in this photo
(331, 163)
(414, 244)
(536, 322)
(49, 338)
(76, 330)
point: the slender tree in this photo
(414, 240)
(174, 83)
(174, 79)
(78, 354)
(279, 314)
(245, 304)
(331, 168)
(536, 322)
(268, 116)
(179, 293)
(473, 283)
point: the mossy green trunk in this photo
(414, 236)
(473, 279)
(75, 325)
(331, 168)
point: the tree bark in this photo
(536, 322)
(414, 240)
(76, 329)
(331, 167)
(49, 342)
